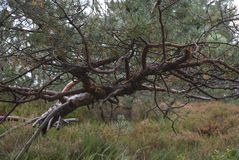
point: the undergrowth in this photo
(208, 131)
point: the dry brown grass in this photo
(207, 127)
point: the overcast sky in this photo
(236, 2)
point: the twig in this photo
(162, 32)
(38, 131)
(19, 126)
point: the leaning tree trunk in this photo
(54, 116)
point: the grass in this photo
(209, 131)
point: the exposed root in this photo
(53, 117)
(14, 118)
(45, 122)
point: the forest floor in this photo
(207, 131)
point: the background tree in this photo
(177, 48)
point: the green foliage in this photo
(109, 33)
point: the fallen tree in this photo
(109, 53)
